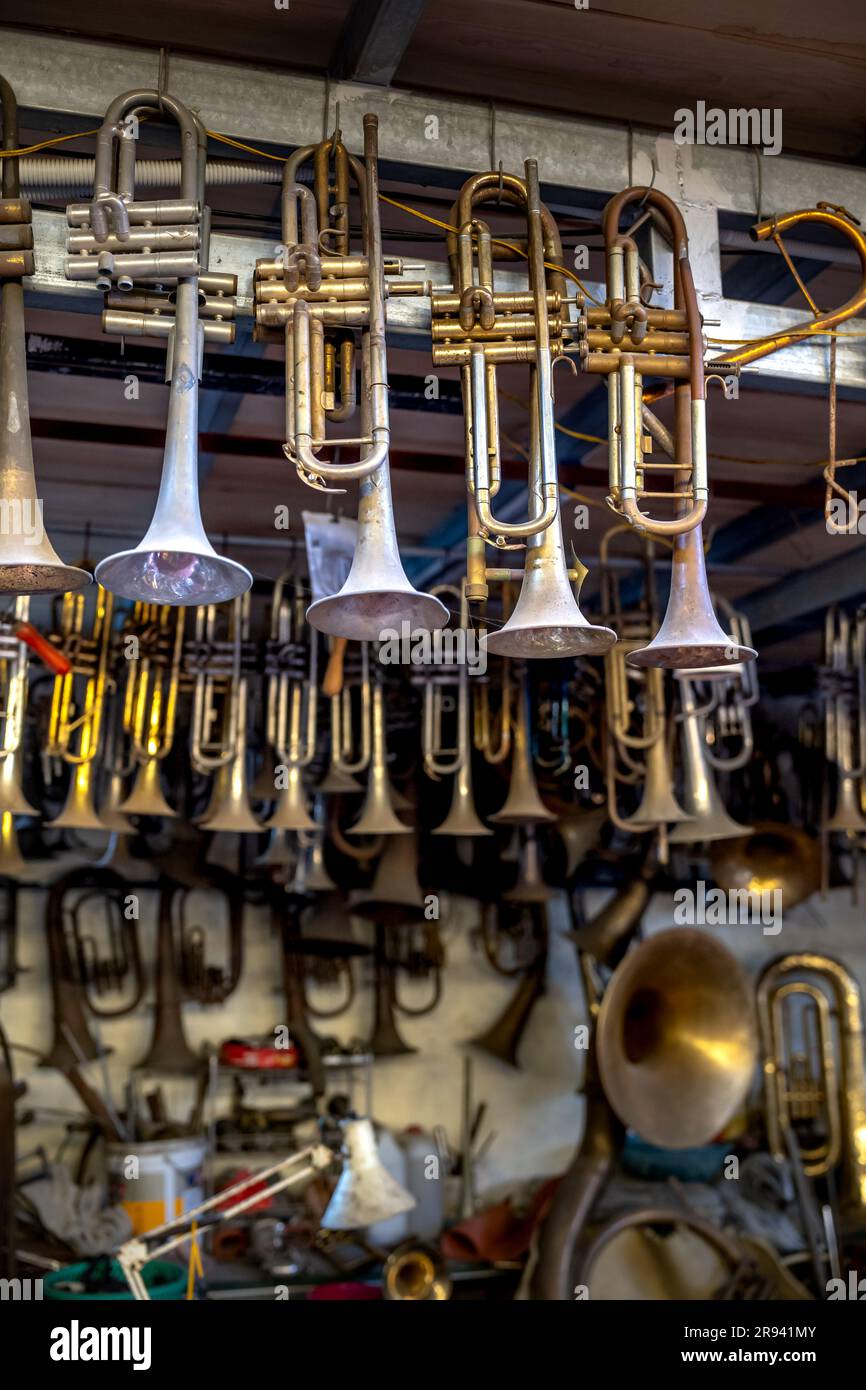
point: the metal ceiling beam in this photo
(810, 591)
(374, 38)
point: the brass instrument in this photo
(99, 959)
(29, 563)
(774, 858)
(521, 932)
(291, 706)
(218, 660)
(346, 756)
(323, 296)
(462, 818)
(201, 979)
(523, 804)
(708, 819)
(478, 327)
(169, 1050)
(378, 816)
(810, 1014)
(636, 745)
(150, 701)
(76, 721)
(625, 340)
(118, 240)
(415, 1273)
(844, 679)
(13, 702)
(72, 1042)
(672, 1051)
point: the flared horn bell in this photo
(773, 858)
(847, 816)
(658, 805)
(378, 816)
(229, 806)
(366, 1192)
(175, 563)
(290, 812)
(277, 853)
(12, 862)
(336, 782)
(546, 620)
(12, 796)
(690, 638)
(79, 810)
(579, 833)
(709, 819)
(462, 818)
(395, 885)
(530, 886)
(146, 797)
(676, 1038)
(110, 813)
(523, 805)
(29, 564)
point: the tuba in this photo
(117, 240)
(477, 328)
(624, 340)
(324, 297)
(810, 1014)
(29, 563)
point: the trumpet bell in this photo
(848, 817)
(79, 812)
(690, 638)
(290, 812)
(547, 621)
(12, 796)
(12, 862)
(146, 797)
(414, 1273)
(677, 1041)
(175, 568)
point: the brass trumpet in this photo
(322, 295)
(462, 818)
(844, 679)
(218, 737)
(29, 563)
(628, 338)
(150, 701)
(477, 327)
(76, 718)
(291, 707)
(119, 240)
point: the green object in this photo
(162, 1280)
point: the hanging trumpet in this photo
(29, 563)
(78, 703)
(119, 241)
(477, 327)
(324, 298)
(625, 340)
(218, 659)
(844, 687)
(152, 642)
(636, 744)
(291, 705)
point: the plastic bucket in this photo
(163, 1281)
(157, 1181)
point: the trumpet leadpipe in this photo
(166, 210)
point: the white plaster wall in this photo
(535, 1112)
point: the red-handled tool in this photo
(45, 650)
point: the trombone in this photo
(322, 295)
(477, 327)
(117, 240)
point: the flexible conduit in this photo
(52, 176)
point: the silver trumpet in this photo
(378, 816)
(13, 702)
(218, 739)
(29, 563)
(321, 295)
(476, 328)
(291, 709)
(523, 804)
(462, 818)
(346, 756)
(117, 240)
(845, 702)
(709, 819)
